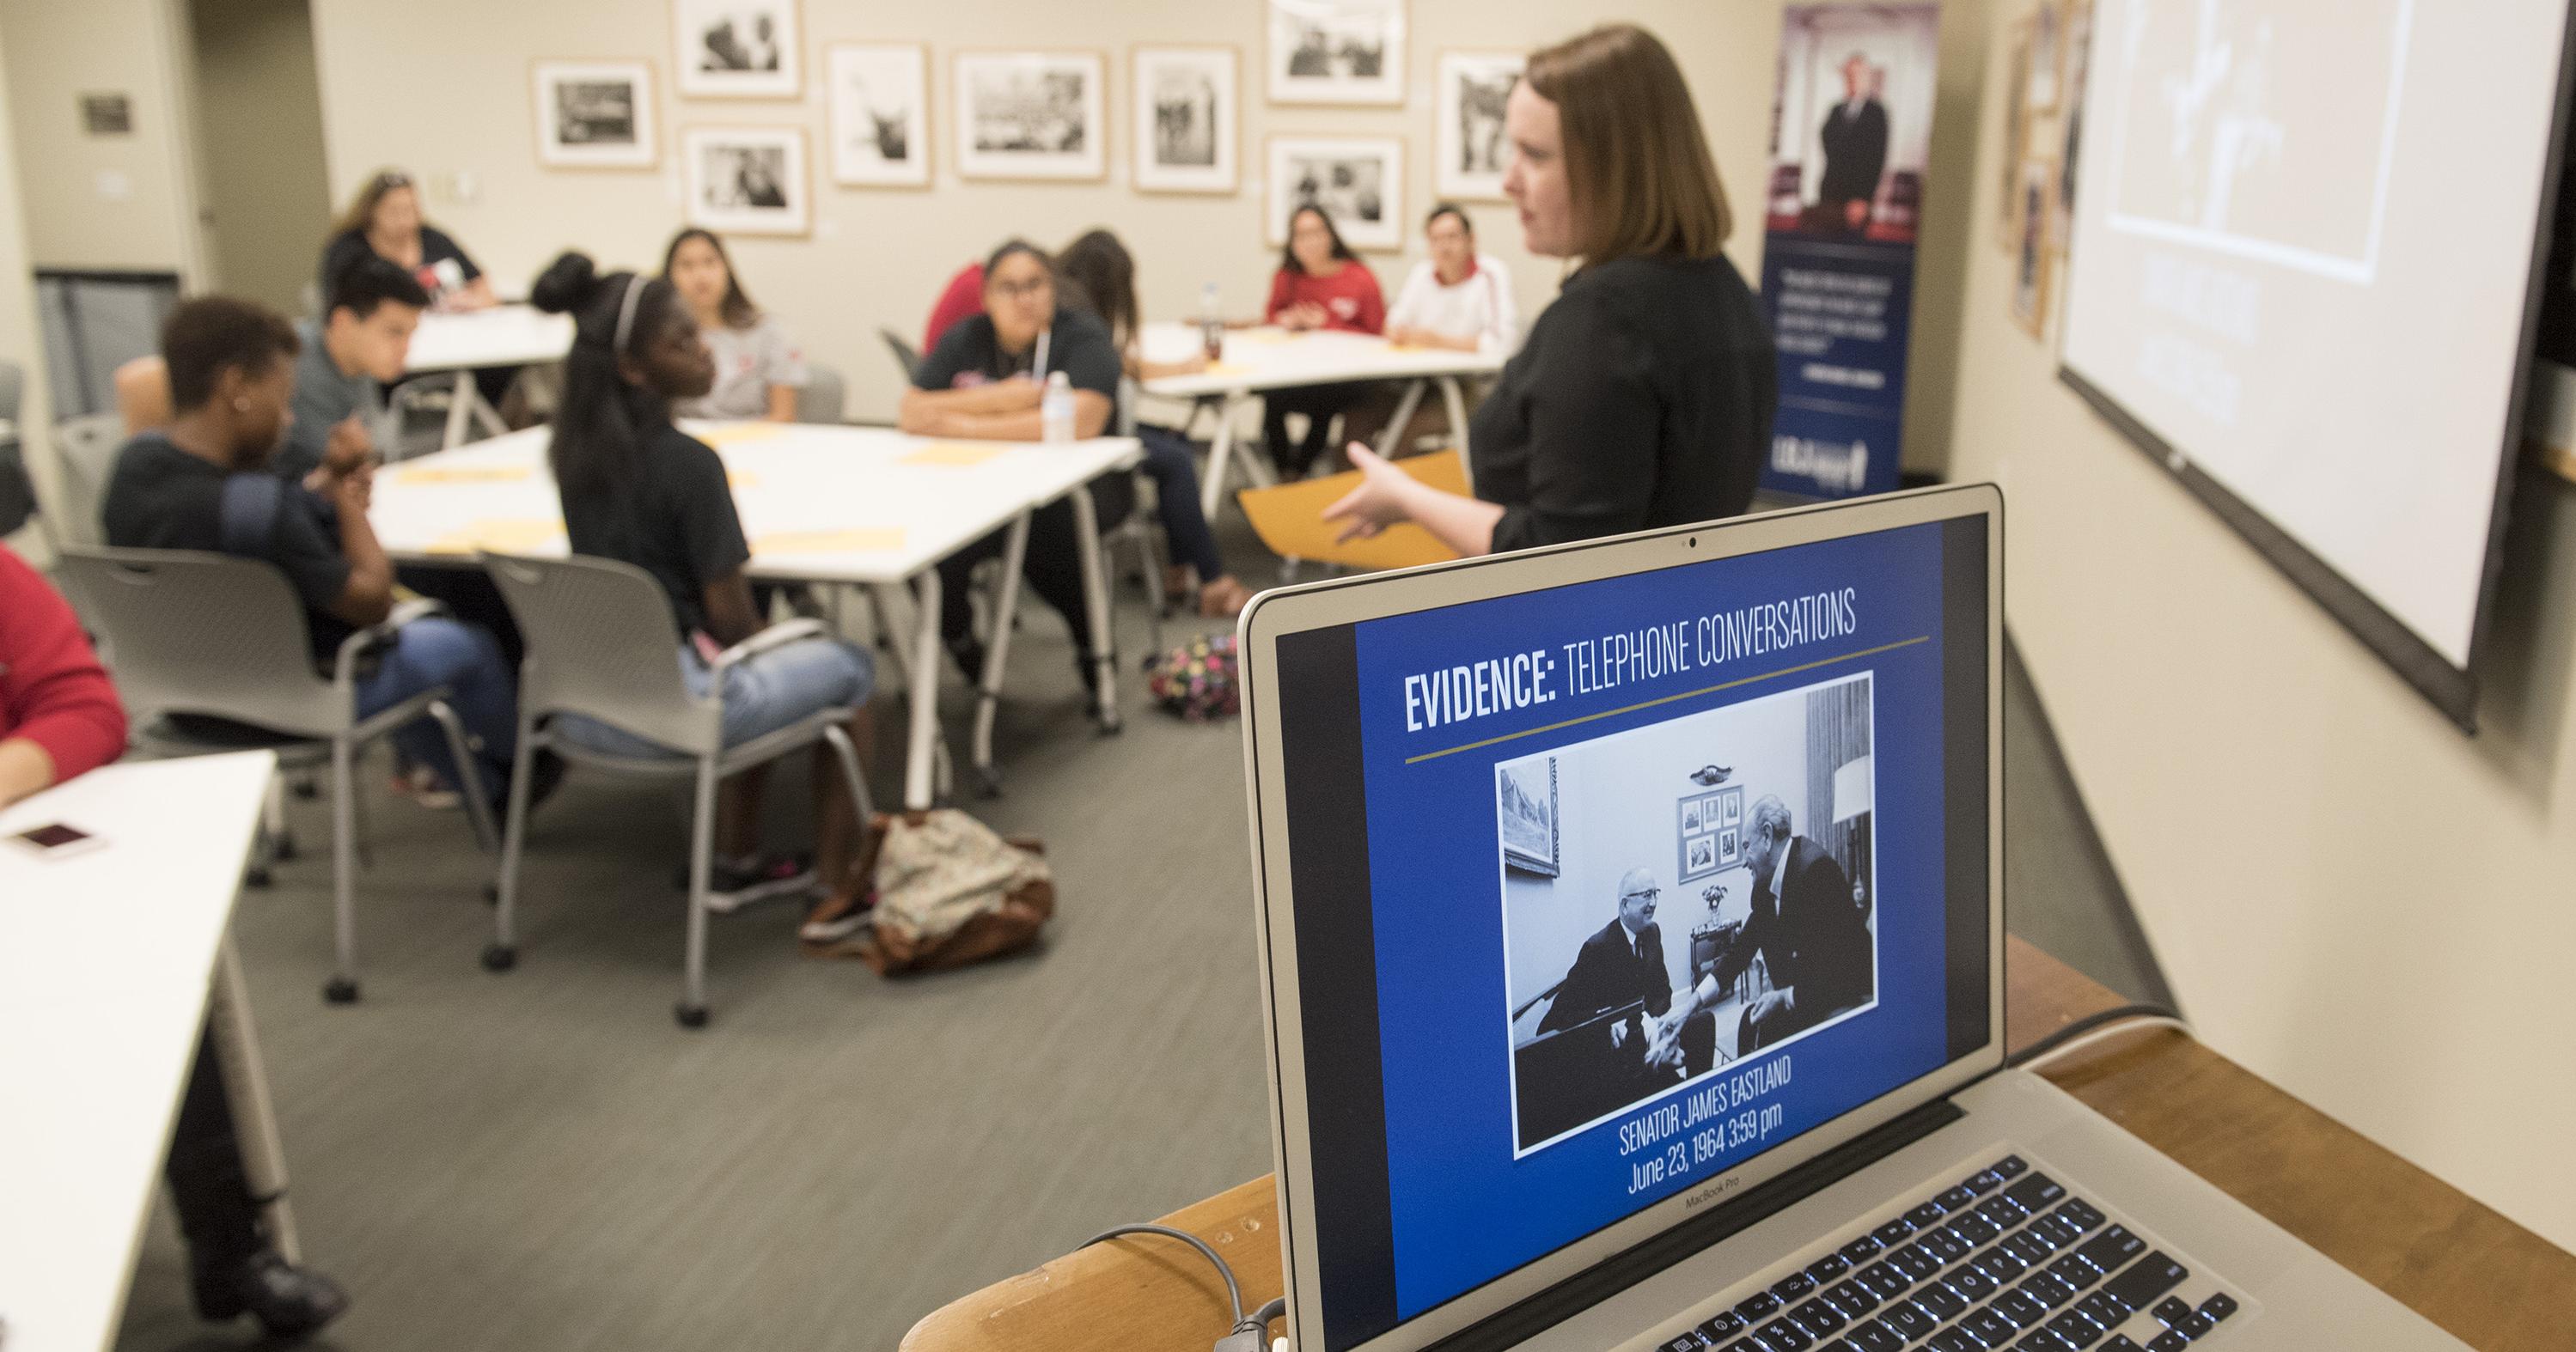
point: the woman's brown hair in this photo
(362, 209)
(736, 308)
(1637, 166)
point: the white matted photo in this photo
(1336, 51)
(1031, 115)
(746, 180)
(1641, 959)
(1357, 180)
(880, 105)
(1468, 106)
(738, 48)
(595, 114)
(1186, 128)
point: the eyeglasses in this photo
(1015, 290)
(1648, 895)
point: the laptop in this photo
(1632, 929)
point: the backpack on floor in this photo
(1199, 680)
(951, 892)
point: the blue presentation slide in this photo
(1657, 885)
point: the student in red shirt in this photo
(1320, 284)
(59, 717)
(963, 299)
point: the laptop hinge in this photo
(1615, 1274)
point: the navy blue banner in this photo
(1840, 315)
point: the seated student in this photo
(205, 483)
(142, 394)
(1320, 284)
(759, 368)
(59, 718)
(347, 359)
(1100, 276)
(637, 489)
(384, 221)
(984, 382)
(1457, 298)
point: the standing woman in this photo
(1320, 284)
(759, 368)
(1643, 396)
(637, 489)
(385, 221)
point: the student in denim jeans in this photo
(637, 489)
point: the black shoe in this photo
(544, 777)
(288, 1301)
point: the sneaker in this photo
(734, 884)
(423, 786)
(839, 917)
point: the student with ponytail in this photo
(637, 489)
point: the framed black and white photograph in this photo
(1336, 51)
(2047, 58)
(1186, 124)
(742, 49)
(880, 106)
(1032, 115)
(1468, 108)
(1357, 180)
(1525, 803)
(746, 180)
(595, 115)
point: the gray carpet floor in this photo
(544, 1160)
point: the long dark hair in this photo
(1102, 275)
(604, 416)
(1288, 252)
(736, 308)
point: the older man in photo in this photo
(1622, 964)
(1813, 937)
(1854, 138)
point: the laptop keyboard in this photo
(2007, 1258)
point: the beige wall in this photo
(99, 202)
(453, 97)
(19, 342)
(2350, 896)
(259, 133)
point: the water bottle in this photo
(1055, 408)
(1211, 323)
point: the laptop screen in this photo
(1607, 889)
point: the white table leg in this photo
(1391, 440)
(1095, 599)
(924, 738)
(246, 1084)
(460, 410)
(1455, 400)
(1220, 453)
(1006, 606)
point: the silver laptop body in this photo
(1468, 784)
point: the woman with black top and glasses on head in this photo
(639, 490)
(1643, 396)
(385, 221)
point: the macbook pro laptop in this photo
(1632, 927)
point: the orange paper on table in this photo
(958, 453)
(855, 540)
(735, 433)
(1290, 518)
(461, 474)
(524, 535)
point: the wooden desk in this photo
(2490, 1282)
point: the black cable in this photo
(2072, 1031)
(1233, 1292)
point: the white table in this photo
(465, 341)
(110, 963)
(1259, 360)
(858, 506)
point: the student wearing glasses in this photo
(1643, 396)
(384, 221)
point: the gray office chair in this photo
(225, 637)
(602, 643)
(905, 355)
(1141, 531)
(87, 447)
(824, 397)
(13, 390)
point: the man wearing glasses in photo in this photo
(1622, 965)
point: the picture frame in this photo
(2070, 118)
(1467, 113)
(1031, 115)
(1187, 104)
(1358, 180)
(2044, 62)
(1336, 51)
(747, 180)
(2016, 129)
(594, 114)
(1708, 835)
(2034, 261)
(1527, 810)
(877, 97)
(738, 49)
